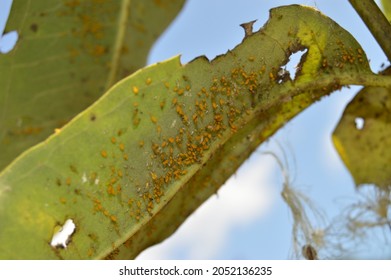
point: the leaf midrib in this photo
(120, 37)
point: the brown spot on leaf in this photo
(34, 27)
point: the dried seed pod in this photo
(309, 252)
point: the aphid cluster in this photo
(135, 172)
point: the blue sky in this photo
(248, 219)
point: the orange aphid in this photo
(135, 90)
(154, 176)
(110, 190)
(153, 119)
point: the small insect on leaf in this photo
(62, 237)
(135, 90)
(148, 81)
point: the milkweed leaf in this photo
(133, 166)
(68, 54)
(363, 136)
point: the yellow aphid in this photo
(153, 119)
(135, 90)
(148, 81)
(103, 153)
(154, 176)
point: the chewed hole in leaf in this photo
(291, 69)
(7, 39)
(359, 122)
(62, 235)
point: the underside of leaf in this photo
(133, 166)
(363, 136)
(68, 54)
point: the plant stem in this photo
(376, 22)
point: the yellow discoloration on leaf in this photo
(317, 39)
(365, 147)
(200, 138)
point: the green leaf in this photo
(69, 53)
(386, 5)
(133, 166)
(363, 137)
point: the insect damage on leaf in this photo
(167, 137)
(8, 40)
(62, 236)
(79, 48)
(362, 137)
(248, 28)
